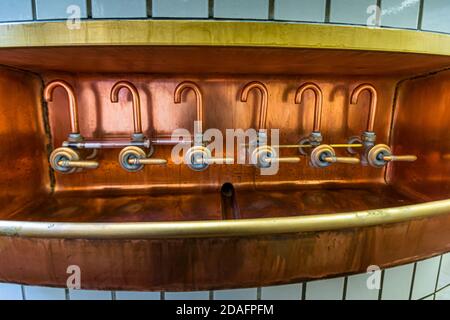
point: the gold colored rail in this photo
(222, 33)
(223, 228)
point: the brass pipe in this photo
(339, 145)
(79, 164)
(73, 107)
(223, 228)
(317, 105)
(373, 102)
(198, 94)
(409, 158)
(264, 96)
(346, 160)
(137, 120)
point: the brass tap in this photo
(73, 106)
(261, 154)
(133, 157)
(374, 155)
(324, 155)
(315, 138)
(137, 119)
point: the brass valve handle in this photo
(67, 160)
(324, 155)
(133, 159)
(381, 154)
(79, 164)
(215, 160)
(284, 160)
(265, 156)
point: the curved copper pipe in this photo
(73, 107)
(264, 94)
(373, 102)
(136, 102)
(318, 102)
(198, 94)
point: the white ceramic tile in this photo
(350, 11)
(327, 289)
(436, 15)
(357, 288)
(425, 277)
(397, 282)
(44, 293)
(194, 295)
(444, 275)
(15, 10)
(284, 292)
(400, 13)
(300, 10)
(444, 294)
(119, 8)
(89, 295)
(10, 291)
(235, 294)
(51, 9)
(180, 8)
(137, 295)
(238, 9)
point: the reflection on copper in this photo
(73, 108)
(318, 102)
(136, 102)
(198, 94)
(373, 102)
(264, 95)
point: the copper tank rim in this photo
(221, 228)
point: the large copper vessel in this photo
(151, 224)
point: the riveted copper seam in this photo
(318, 102)
(136, 102)
(73, 107)
(264, 98)
(373, 102)
(231, 228)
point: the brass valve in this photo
(265, 156)
(379, 156)
(198, 158)
(133, 159)
(324, 155)
(67, 160)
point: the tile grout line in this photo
(271, 9)
(303, 292)
(149, 8)
(33, 9)
(258, 293)
(327, 11)
(113, 295)
(420, 17)
(89, 9)
(211, 294)
(162, 295)
(344, 289)
(438, 274)
(413, 277)
(67, 293)
(380, 293)
(210, 9)
(22, 287)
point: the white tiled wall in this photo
(433, 15)
(61, 9)
(400, 13)
(300, 10)
(420, 280)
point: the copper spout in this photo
(198, 94)
(373, 102)
(73, 107)
(136, 102)
(264, 94)
(318, 102)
